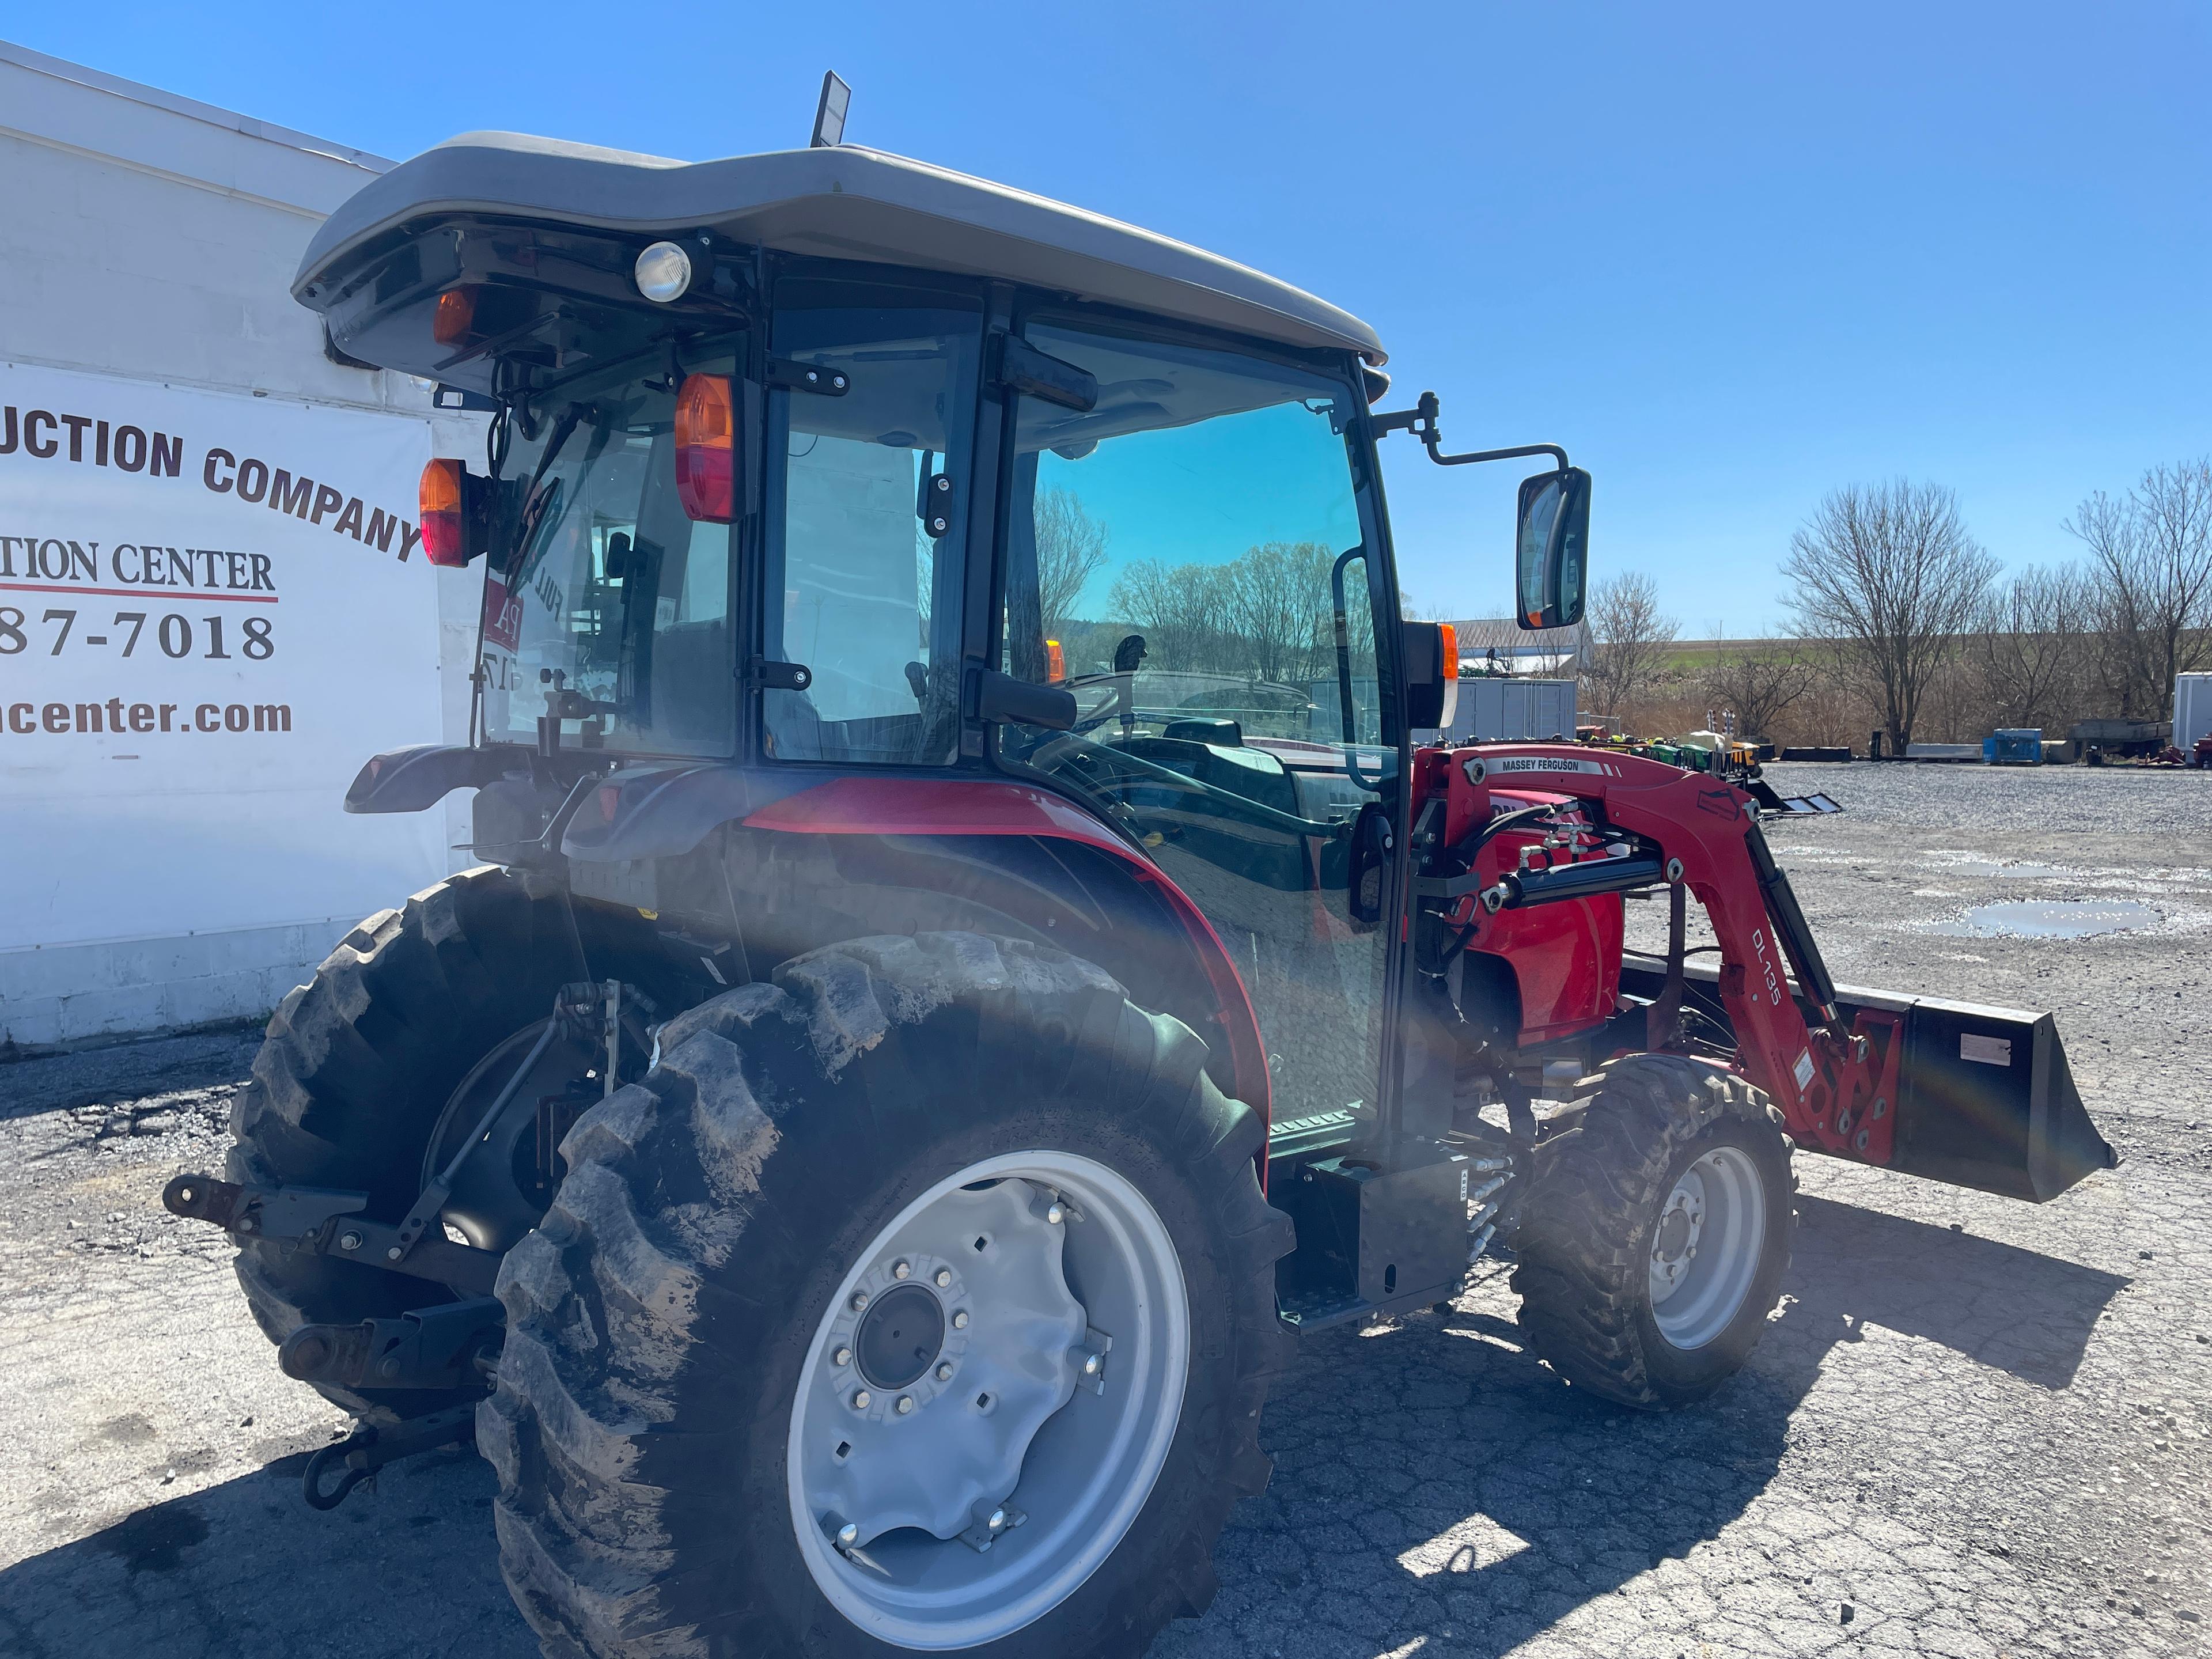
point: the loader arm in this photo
(1835, 1081)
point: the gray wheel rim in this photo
(1707, 1246)
(953, 1481)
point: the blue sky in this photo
(1731, 256)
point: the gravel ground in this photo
(1974, 1428)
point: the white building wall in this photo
(152, 240)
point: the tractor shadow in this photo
(1434, 1486)
(1430, 1481)
(245, 1569)
(2027, 1315)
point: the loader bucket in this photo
(1985, 1098)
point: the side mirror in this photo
(1551, 543)
(1431, 674)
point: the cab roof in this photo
(845, 201)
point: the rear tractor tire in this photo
(414, 1011)
(923, 1299)
(1652, 1246)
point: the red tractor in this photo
(971, 956)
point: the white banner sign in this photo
(213, 608)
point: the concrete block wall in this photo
(59, 996)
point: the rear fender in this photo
(640, 814)
(894, 806)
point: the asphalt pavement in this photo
(1975, 1427)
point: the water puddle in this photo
(2050, 919)
(2008, 870)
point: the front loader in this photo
(970, 954)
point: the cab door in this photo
(1173, 556)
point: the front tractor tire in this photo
(1653, 1244)
(923, 1299)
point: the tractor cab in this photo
(831, 468)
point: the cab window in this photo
(866, 534)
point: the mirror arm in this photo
(1421, 421)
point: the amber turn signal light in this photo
(456, 316)
(442, 507)
(705, 448)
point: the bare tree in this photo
(2150, 565)
(1182, 610)
(1279, 604)
(2028, 649)
(1888, 577)
(1071, 547)
(1628, 639)
(1759, 685)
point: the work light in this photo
(663, 272)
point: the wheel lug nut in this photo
(847, 1535)
(945, 1372)
(859, 1300)
(862, 1400)
(944, 1277)
(902, 1270)
(842, 1357)
(905, 1404)
(960, 1320)
(1054, 1214)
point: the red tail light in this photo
(456, 316)
(1055, 662)
(705, 448)
(442, 506)
(1448, 636)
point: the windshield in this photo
(606, 607)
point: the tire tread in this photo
(595, 1480)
